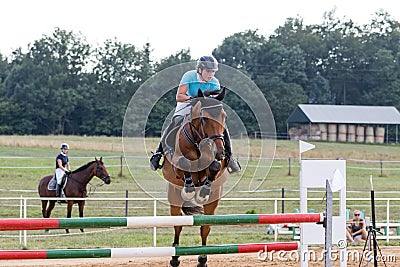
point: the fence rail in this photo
(387, 224)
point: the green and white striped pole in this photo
(157, 221)
(145, 252)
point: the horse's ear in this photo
(196, 111)
(101, 158)
(221, 95)
(95, 158)
(200, 93)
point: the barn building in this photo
(343, 123)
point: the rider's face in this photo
(65, 151)
(207, 75)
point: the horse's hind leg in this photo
(175, 211)
(50, 208)
(69, 212)
(44, 206)
(204, 231)
(81, 205)
(47, 212)
(44, 212)
(209, 209)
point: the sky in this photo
(168, 25)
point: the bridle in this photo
(102, 177)
(101, 171)
(195, 137)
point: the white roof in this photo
(345, 114)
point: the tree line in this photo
(63, 85)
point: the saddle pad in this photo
(52, 183)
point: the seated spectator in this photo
(356, 229)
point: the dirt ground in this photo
(391, 255)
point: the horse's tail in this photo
(188, 208)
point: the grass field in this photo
(25, 159)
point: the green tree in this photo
(180, 57)
(239, 50)
(119, 71)
(43, 82)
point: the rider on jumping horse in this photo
(201, 78)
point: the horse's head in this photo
(101, 171)
(208, 116)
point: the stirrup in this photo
(155, 161)
(233, 165)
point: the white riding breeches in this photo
(59, 175)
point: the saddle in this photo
(53, 182)
(170, 137)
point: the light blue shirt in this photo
(193, 81)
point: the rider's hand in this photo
(68, 172)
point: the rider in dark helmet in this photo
(201, 78)
(62, 167)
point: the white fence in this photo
(380, 166)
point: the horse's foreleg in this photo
(81, 205)
(175, 211)
(69, 211)
(203, 194)
(189, 189)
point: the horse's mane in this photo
(81, 168)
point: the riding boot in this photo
(233, 163)
(58, 191)
(156, 157)
(167, 142)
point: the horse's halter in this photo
(197, 137)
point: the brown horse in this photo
(197, 169)
(75, 187)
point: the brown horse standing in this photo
(197, 170)
(75, 187)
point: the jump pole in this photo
(157, 221)
(145, 252)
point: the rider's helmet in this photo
(64, 146)
(208, 63)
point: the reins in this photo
(95, 187)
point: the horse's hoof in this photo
(67, 231)
(82, 231)
(174, 262)
(202, 259)
(203, 194)
(201, 200)
(46, 231)
(188, 193)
